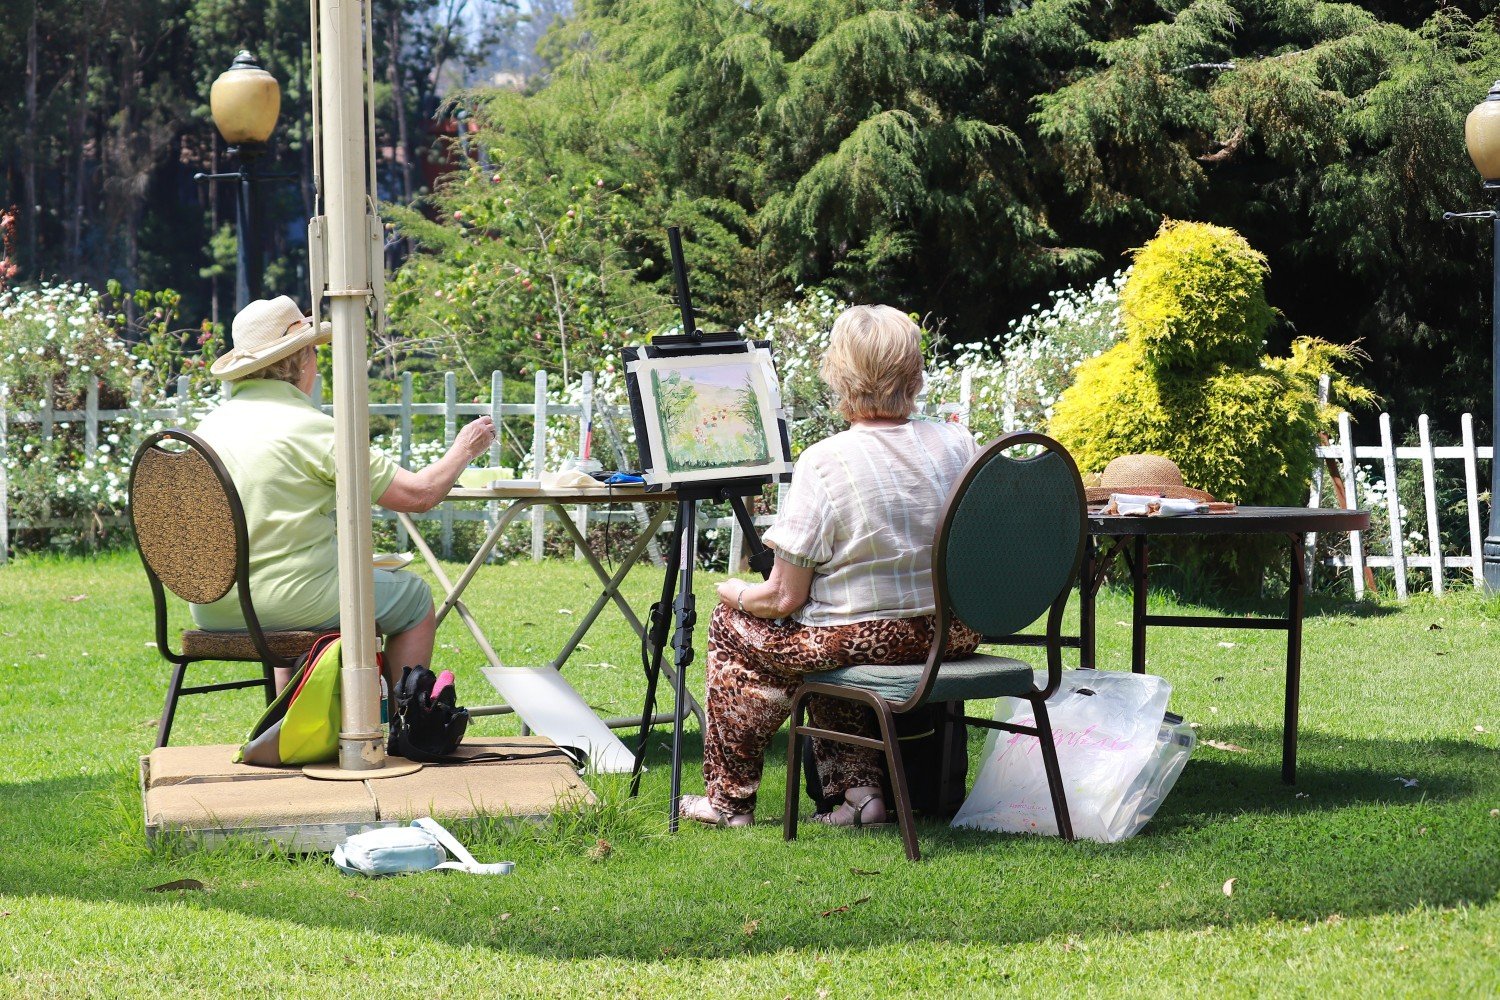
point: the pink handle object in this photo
(444, 680)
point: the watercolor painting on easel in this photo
(711, 417)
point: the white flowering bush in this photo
(1375, 494)
(1372, 494)
(423, 452)
(56, 343)
(798, 332)
(55, 339)
(65, 337)
(57, 335)
(1014, 384)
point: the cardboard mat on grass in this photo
(199, 793)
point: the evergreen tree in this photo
(1332, 139)
(959, 163)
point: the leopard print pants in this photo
(755, 665)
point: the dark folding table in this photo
(1112, 535)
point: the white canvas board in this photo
(549, 705)
(710, 417)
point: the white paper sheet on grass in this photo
(549, 705)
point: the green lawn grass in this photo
(1349, 884)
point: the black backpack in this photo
(424, 728)
(427, 729)
(921, 734)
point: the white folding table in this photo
(517, 500)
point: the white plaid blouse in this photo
(862, 512)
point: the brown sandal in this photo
(857, 822)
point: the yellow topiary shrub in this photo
(1188, 382)
(1196, 297)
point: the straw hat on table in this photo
(266, 331)
(1143, 475)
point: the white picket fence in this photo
(613, 448)
(1346, 454)
(538, 414)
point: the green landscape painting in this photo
(710, 418)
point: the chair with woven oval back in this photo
(1007, 550)
(190, 529)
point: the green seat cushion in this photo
(978, 676)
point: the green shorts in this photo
(401, 601)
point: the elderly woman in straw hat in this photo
(852, 581)
(278, 448)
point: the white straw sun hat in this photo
(265, 331)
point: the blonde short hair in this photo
(287, 369)
(874, 362)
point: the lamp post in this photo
(1482, 137)
(245, 102)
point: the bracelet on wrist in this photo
(740, 597)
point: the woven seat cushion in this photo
(979, 676)
(201, 645)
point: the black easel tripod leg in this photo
(656, 640)
(678, 601)
(686, 615)
(761, 557)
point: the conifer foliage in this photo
(798, 141)
(962, 160)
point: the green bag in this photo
(302, 725)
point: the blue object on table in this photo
(624, 479)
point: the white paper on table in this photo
(1128, 503)
(549, 705)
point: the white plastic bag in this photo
(1118, 755)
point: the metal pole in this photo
(361, 747)
(251, 261)
(243, 236)
(1491, 547)
(1492, 537)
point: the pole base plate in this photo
(394, 767)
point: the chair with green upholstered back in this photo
(1007, 551)
(190, 529)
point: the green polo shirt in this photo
(278, 448)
